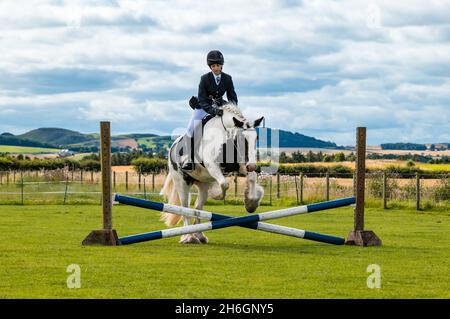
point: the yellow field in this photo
(380, 164)
(434, 167)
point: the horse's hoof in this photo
(225, 185)
(189, 239)
(200, 236)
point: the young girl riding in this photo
(213, 85)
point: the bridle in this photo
(229, 131)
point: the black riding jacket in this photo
(208, 87)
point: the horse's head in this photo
(234, 120)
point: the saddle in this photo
(193, 146)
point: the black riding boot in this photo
(189, 147)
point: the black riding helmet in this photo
(214, 57)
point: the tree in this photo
(310, 157)
(298, 157)
(319, 157)
(339, 157)
(410, 163)
(283, 158)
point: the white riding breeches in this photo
(196, 118)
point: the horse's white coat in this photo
(215, 133)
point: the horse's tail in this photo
(170, 196)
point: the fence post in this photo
(327, 179)
(270, 190)
(139, 178)
(126, 180)
(278, 185)
(21, 183)
(153, 182)
(65, 190)
(7, 177)
(296, 188)
(417, 191)
(358, 236)
(301, 187)
(354, 184)
(92, 176)
(114, 180)
(145, 190)
(81, 177)
(235, 185)
(224, 196)
(384, 190)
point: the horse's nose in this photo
(251, 167)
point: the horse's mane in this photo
(232, 108)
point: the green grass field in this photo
(38, 242)
(26, 149)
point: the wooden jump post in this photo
(106, 236)
(358, 236)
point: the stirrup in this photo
(188, 166)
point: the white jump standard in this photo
(222, 221)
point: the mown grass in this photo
(37, 243)
(26, 149)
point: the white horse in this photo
(230, 136)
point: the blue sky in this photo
(319, 68)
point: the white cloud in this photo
(319, 68)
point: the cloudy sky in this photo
(319, 68)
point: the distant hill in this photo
(137, 136)
(56, 136)
(79, 142)
(290, 139)
(9, 139)
(403, 146)
(438, 146)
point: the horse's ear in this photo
(237, 122)
(258, 122)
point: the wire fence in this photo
(81, 187)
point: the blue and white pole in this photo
(222, 221)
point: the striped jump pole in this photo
(189, 212)
(222, 221)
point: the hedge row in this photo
(11, 164)
(149, 165)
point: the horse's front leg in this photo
(201, 200)
(253, 193)
(183, 193)
(216, 173)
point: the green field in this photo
(26, 149)
(38, 242)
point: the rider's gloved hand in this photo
(219, 112)
(193, 103)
